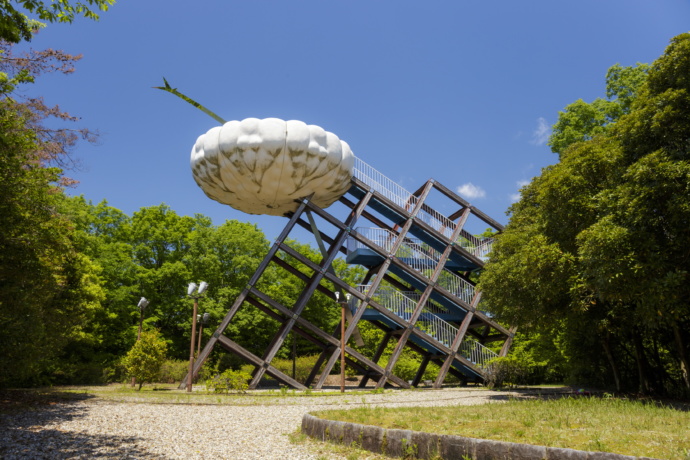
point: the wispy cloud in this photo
(471, 191)
(515, 197)
(541, 134)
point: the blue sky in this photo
(460, 91)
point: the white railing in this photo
(476, 352)
(402, 304)
(407, 201)
(417, 255)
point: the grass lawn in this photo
(593, 424)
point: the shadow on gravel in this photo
(23, 432)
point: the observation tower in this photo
(419, 264)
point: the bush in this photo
(144, 360)
(173, 371)
(229, 380)
(303, 366)
(508, 371)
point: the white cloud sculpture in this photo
(263, 166)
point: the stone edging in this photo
(416, 444)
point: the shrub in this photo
(173, 371)
(144, 360)
(508, 371)
(303, 366)
(229, 380)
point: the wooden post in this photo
(190, 375)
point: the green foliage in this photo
(229, 380)
(582, 121)
(15, 26)
(303, 366)
(172, 371)
(50, 291)
(597, 246)
(507, 371)
(144, 361)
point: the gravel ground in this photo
(255, 427)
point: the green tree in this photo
(597, 245)
(143, 362)
(48, 289)
(581, 121)
(16, 26)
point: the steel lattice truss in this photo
(418, 287)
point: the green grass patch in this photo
(608, 425)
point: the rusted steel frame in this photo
(425, 295)
(355, 319)
(329, 341)
(462, 202)
(420, 371)
(317, 367)
(298, 274)
(459, 337)
(377, 354)
(299, 327)
(323, 236)
(302, 300)
(346, 313)
(288, 314)
(240, 299)
(367, 215)
(391, 205)
(329, 276)
(285, 328)
(261, 364)
(509, 341)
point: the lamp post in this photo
(143, 303)
(203, 321)
(343, 304)
(194, 292)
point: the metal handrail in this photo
(415, 254)
(402, 304)
(400, 196)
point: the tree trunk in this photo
(612, 362)
(642, 364)
(683, 354)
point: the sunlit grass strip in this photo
(607, 425)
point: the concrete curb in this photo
(416, 444)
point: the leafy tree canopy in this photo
(598, 242)
(16, 26)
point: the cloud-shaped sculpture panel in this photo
(263, 166)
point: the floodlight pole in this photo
(343, 304)
(143, 303)
(342, 347)
(203, 320)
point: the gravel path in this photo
(257, 427)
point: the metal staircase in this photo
(403, 303)
(416, 287)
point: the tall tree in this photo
(48, 289)
(598, 242)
